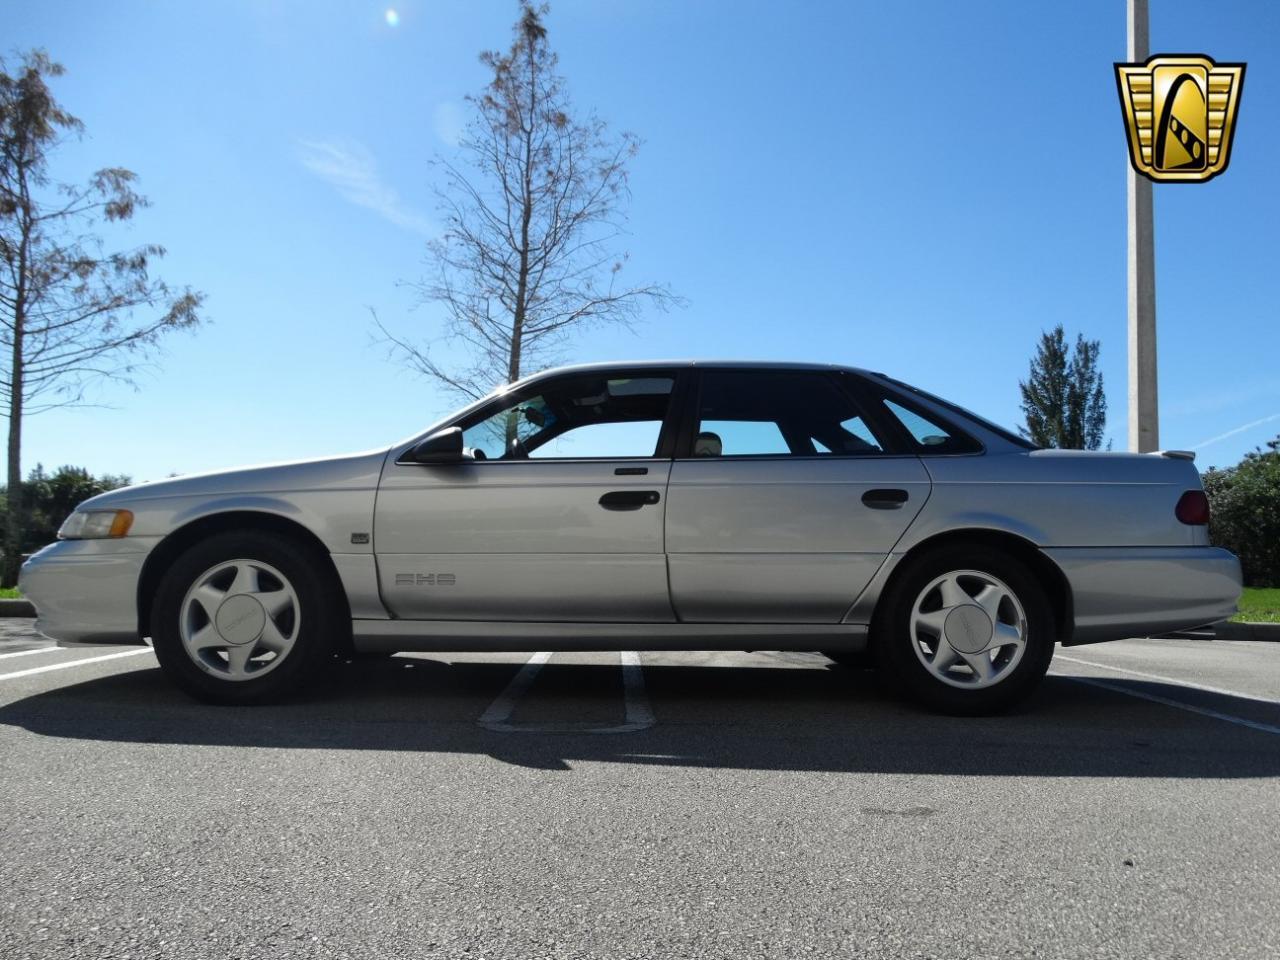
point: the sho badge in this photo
(1180, 113)
(425, 580)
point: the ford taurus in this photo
(653, 506)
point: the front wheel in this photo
(245, 617)
(966, 630)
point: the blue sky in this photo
(917, 188)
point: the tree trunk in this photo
(15, 520)
(15, 513)
(517, 319)
(517, 334)
(526, 214)
(522, 278)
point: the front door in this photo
(556, 514)
(787, 502)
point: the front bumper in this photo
(1147, 591)
(86, 591)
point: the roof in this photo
(605, 367)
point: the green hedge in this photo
(49, 497)
(1245, 504)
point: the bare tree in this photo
(530, 220)
(72, 314)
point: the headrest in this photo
(708, 445)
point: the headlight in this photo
(95, 524)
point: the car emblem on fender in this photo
(1180, 113)
(425, 579)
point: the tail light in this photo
(1193, 508)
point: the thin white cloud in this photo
(448, 123)
(1218, 399)
(1240, 429)
(352, 169)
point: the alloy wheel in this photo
(239, 619)
(968, 629)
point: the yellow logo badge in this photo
(1180, 112)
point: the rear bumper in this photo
(86, 591)
(1144, 591)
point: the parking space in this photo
(592, 805)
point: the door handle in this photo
(890, 499)
(629, 499)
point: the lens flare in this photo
(392, 18)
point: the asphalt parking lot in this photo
(651, 805)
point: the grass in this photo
(1259, 605)
(11, 593)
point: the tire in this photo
(934, 618)
(247, 617)
(853, 659)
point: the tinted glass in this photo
(929, 434)
(594, 440)
(995, 428)
(576, 418)
(741, 437)
(745, 413)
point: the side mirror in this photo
(443, 446)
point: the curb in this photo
(1247, 631)
(17, 608)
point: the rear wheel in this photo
(966, 630)
(245, 617)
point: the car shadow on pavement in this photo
(801, 716)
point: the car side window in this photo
(617, 439)
(930, 435)
(729, 437)
(778, 413)
(580, 417)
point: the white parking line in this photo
(74, 663)
(27, 653)
(505, 704)
(1166, 701)
(638, 714)
(1173, 680)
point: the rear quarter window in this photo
(928, 433)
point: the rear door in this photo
(785, 499)
(557, 515)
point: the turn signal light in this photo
(124, 520)
(1193, 508)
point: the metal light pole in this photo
(1144, 406)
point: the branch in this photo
(421, 361)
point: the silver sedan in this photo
(658, 506)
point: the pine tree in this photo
(1063, 398)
